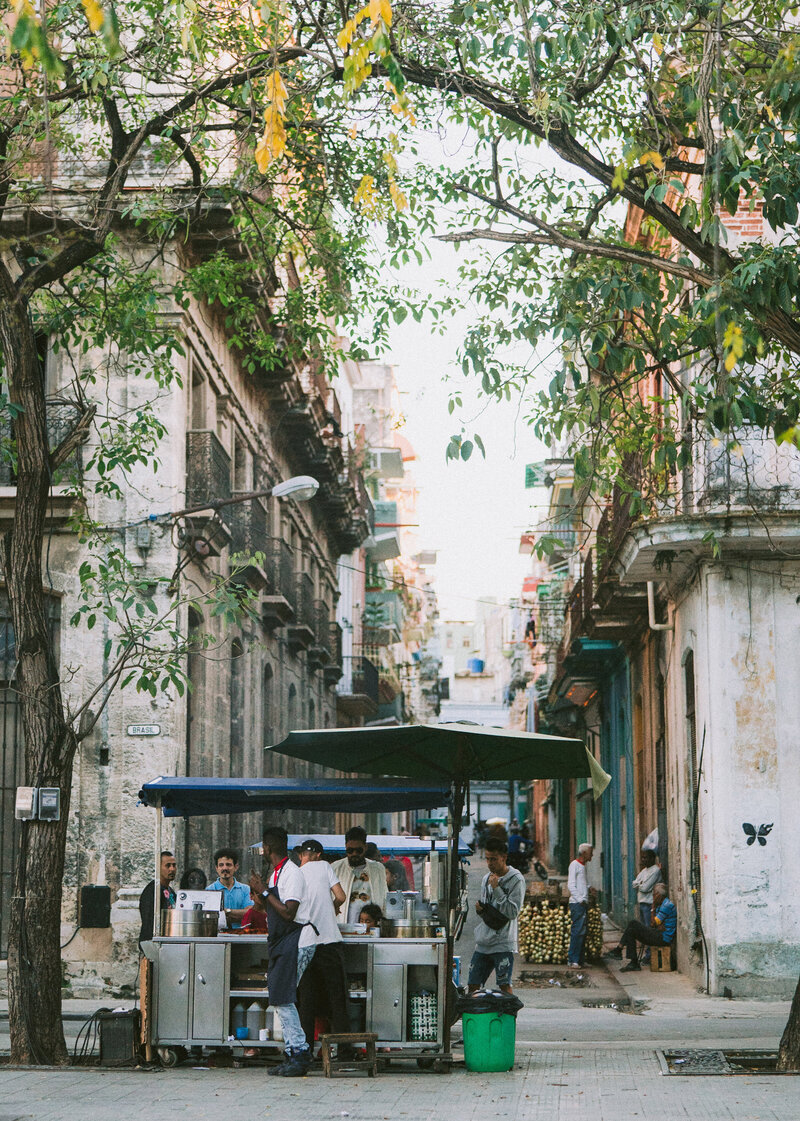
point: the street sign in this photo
(144, 729)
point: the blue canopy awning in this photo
(195, 797)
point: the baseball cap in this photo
(311, 846)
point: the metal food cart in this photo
(397, 985)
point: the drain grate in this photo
(716, 1062)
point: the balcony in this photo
(208, 479)
(277, 604)
(302, 630)
(382, 619)
(357, 691)
(333, 670)
(248, 526)
(741, 495)
(319, 652)
(61, 420)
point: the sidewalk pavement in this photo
(584, 1051)
(572, 1062)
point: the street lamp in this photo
(300, 487)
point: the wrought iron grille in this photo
(280, 568)
(248, 526)
(360, 677)
(61, 420)
(304, 610)
(208, 469)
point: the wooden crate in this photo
(661, 959)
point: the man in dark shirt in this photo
(169, 868)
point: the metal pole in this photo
(157, 883)
(453, 897)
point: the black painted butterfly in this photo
(760, 836)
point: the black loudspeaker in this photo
(119, 1038)
(95, 906)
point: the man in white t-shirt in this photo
(292, 942)
(363, 881)
(323, 989)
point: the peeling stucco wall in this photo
(741, 619)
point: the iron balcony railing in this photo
(335, 644)
(359, 677)
(208, 470)
(280, 568)
(304, 610)
(248, 526)
(322, 624)
(61, 420)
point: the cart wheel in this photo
(383, 1066)
(426, 1064)
(168, 1056)
(442, 1066)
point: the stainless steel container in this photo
(409, 928)
(190, 924)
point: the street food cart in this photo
(397, 981)
(456, 754)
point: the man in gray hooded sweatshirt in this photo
(502, 896)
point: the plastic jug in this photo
(254, 1019)
(238, 1014)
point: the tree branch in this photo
(556, 240)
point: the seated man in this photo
(235, 894)
(661, 933)
(363, 880)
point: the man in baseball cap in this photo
(323, 989)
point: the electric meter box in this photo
(26, 803)
(49, 803)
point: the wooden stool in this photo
(333, 1068)
(661, 959)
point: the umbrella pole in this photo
(453, 897)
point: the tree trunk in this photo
(34, 958)
(789, 1051)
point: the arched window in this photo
(268, 736)
(291, 708)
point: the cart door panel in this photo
(174, 983)
(210, 1005)
(388, 1001)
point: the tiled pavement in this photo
(590, 1083)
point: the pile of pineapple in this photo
(544, 927)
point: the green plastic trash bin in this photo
(489, 1040)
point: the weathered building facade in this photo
(227, 434)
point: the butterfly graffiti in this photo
(759, 834)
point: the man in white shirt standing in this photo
(324, 984)
(578, 904)
(291, 944)
(363, 881)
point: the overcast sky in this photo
(473, 513)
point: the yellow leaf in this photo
(352, 132)
(618, 182)
(653, 158)
(658, 43)
(94, 14)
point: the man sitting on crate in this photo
(661, 933)
(502, 896)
